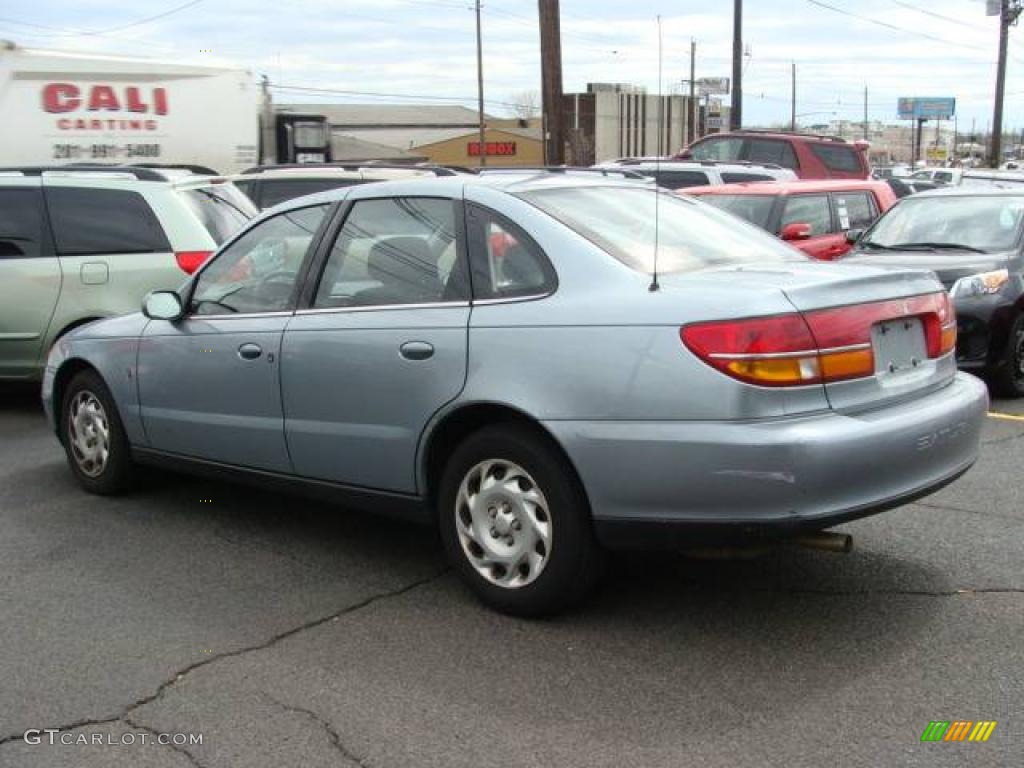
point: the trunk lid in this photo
(897, 332)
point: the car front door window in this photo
(809, 209)
(259, 271)
(720, 150)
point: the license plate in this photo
(899, 346)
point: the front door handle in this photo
(416, 350)
(250, 351)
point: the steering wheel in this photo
(271, 285)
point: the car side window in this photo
(21, 223)
(721, 150)
(855, 210)
(507, 263)
(258, 272)
(679, 179)
(94, 221)
(809, 209)
(736, 178)
(274, 191)
(395, 251)
(771, 151)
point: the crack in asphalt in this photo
(179, 749)
(189, 669)
(335, 737)
(984, 513)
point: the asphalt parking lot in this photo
(289, 633)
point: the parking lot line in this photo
(1006, 416)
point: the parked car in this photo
(941, 175)
(810, 156)
(268, 185)
(903, 187)
(77, 244)
(895, 171)
(677, 174)
(974, 241)
(814, 216)
(584, 389)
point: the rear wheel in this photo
(515, 522)
(93, 436)
(1008, 380)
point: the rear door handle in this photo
(416, 350)
(250, 351)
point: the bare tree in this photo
(526, 105)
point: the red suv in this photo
(809, 156)
(818, 217)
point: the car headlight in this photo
(982, 284)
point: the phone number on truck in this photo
(104, 151)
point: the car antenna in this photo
(657, 168)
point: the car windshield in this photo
(690, 236)
(223, 209)
(757, 209)
(984, 223)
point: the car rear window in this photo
(628, 224)
(757, 209)
(837, 157)
(21, 223)
(274, 191)
(222, 209)
(89, 221)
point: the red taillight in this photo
(824, 345)
(190, 261)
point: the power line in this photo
(379, 95)
(69, 32)
(933, 14)
(894, 27)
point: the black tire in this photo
(1008, 379)
(118, 471)
(575, 558)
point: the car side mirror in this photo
(797, 230)
(853, 235)
(163, 305)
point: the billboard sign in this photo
(710, 86)
(937, 108)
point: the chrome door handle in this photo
(250, 351)
(416, 350)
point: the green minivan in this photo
(79, 244)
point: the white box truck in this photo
(64, 107)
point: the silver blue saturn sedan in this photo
(544, 365)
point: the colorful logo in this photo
(958, 730)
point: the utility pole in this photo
(551, 81)
(792, 91)
(736, 113)
(480, 84)
(691, 122)
(865, 113)
(1010, 11)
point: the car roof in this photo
(453, 186)
(971, 191)
(802, 186)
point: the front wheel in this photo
(515, 522)
(93, 437)
(1008, 380)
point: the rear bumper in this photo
(772, 476)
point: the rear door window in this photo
(89, 221)
(854, 210)
(808, 209)
(222, 209)
(837, 157)
(21, 223)
(771, 151)
(722, 150)
(737, 178)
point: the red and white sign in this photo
(492, 148)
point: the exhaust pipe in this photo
(826, 541)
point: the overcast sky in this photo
(427, 47)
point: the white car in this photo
(680, 174)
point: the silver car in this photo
(545, 367)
